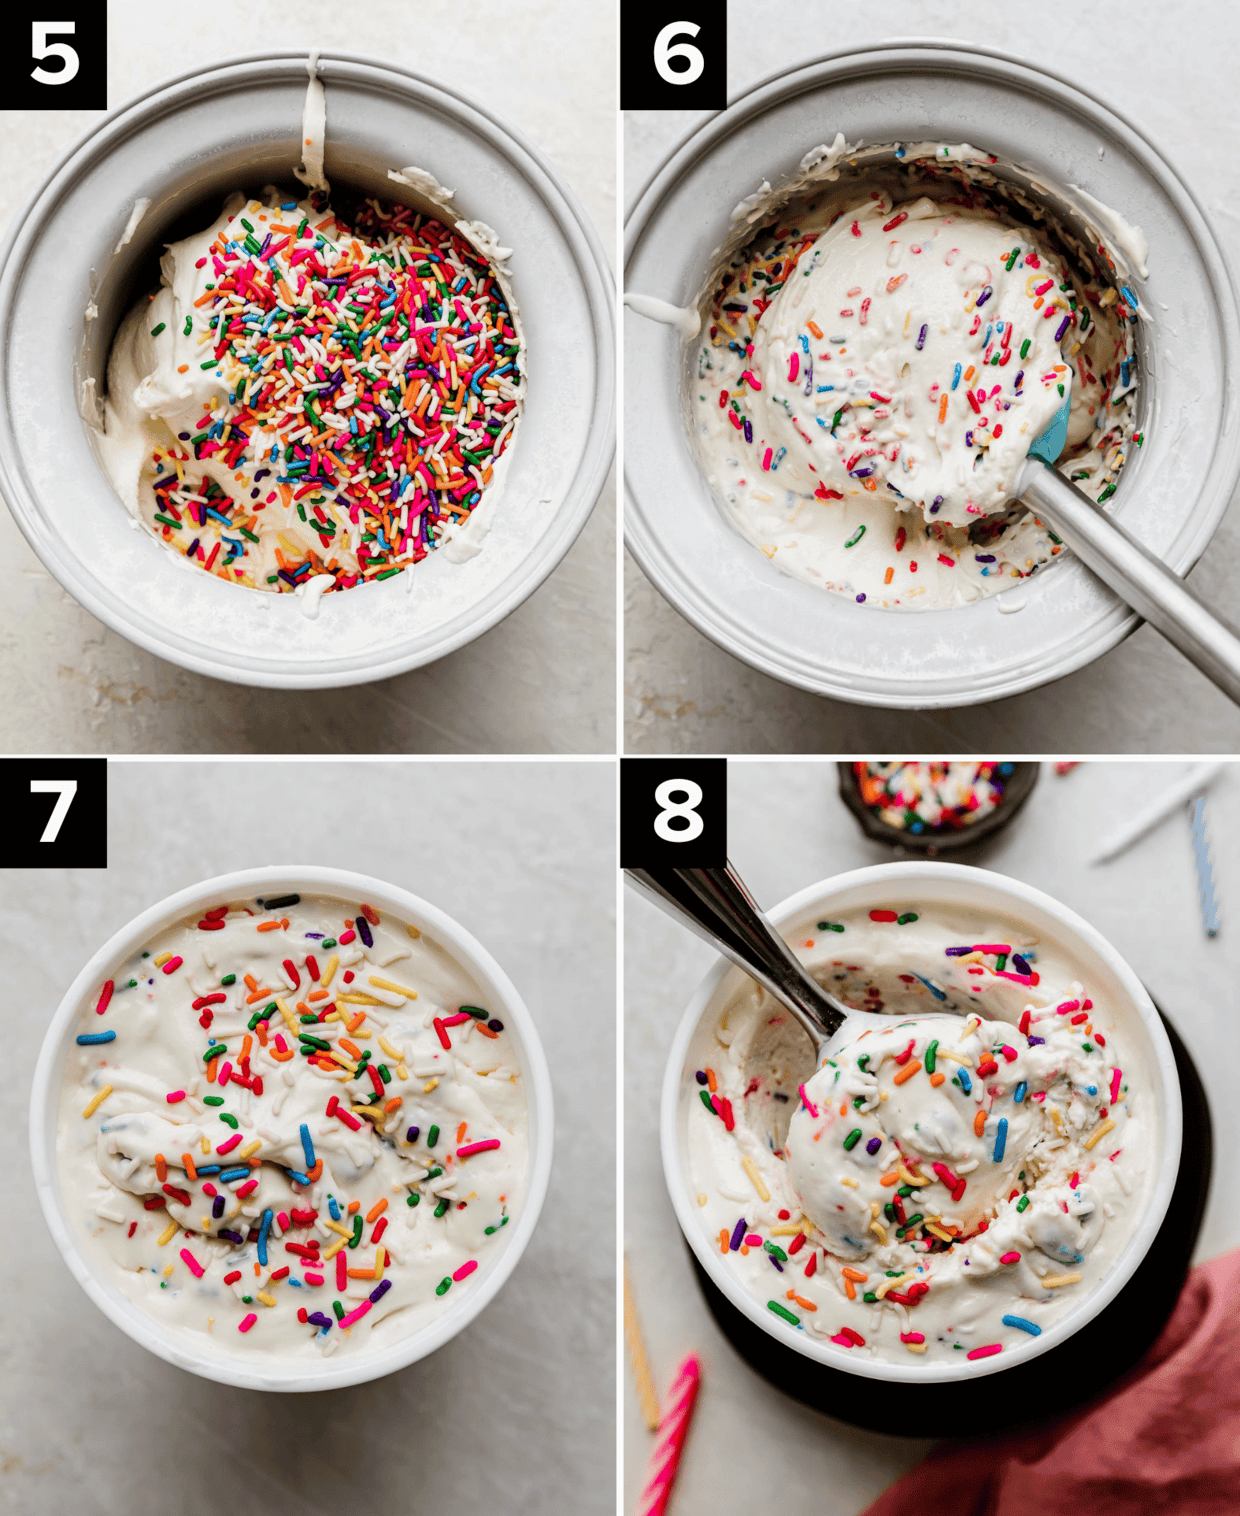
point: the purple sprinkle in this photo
(363, 930)
(738, 1235)
(217, 1207)
(412, 1134)
(1021, 965)
(863, 472)
(232, 1237)
(1019, 377)
(748, 425)
(873, 1145)
(379, 1291)
(776, 1262)
(921, 339)
(938, 501)
(968, 439)
(318, 1319)
(987, 292)
(960, 952)
(984, 557)
(700, 1076)
(496, 1025)
(1063, 327)
(860, 598)
(1036, 1041)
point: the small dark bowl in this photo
(1016, 791)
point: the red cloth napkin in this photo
(1165, 1439)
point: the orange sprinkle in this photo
(392, 1104)
(907, 1072)
(261, 1029)
(247, 1042)
(943, 409)
(355, 1021)
(161, 1167)
(350, 1047)
(844, 1109)
(887, 577)
(723, 1241)
(270, 926)
(484, 1029)
(361, 1273)
(317, 995)
(250, 982)
(937, 1079)
(460, 1132)
(187, 1160)
(804, 1304)
(354, 1205)
(850, 1289)
(855, 1274)
(813, 328)
(969, 373)
(211, 1069)
(711, 1083)
(889, 1179)
(377, 1210)
(979, 1123)
(258, 994)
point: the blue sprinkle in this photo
(87, 1038)
(307, 1146)
(1129, 296)
(264, 1232)
(230, 1174)
(1025, 1326)
(1022, 1089)
(933, 988)
(333, 1207)
(297, 1178)
(1001, 1140)
(956, 377)
(966, 1083)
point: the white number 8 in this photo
(687, 809)
(40, 47)
(665, 51)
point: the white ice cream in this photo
(944, 1187)
(223, 1176)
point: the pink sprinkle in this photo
(1068, 1005)
(465, 1270)
(355, 1315)
(245, 1189)
(766, 460)
(282, 1218)
(1115, 1077)
(950, 562)
(314, 1278)
(1016, 978)
(912, 1337)
(444, 1040)
(227, 1147)
(1012, 1257)
(349, 1120)
(992, 947)
(244, 1326)
(844, 1342)
(209, 1189)
(471, 1148)
(104, 997)
(986, 1352)
(1008, 1053)
(195, 1268)
(172, 965)
(794, 365)
(175, 1097)
(457, 1020)
(754, 1240)
(347, 936)
(807, 1102)
(224, 1074)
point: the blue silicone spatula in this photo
(1124, 564)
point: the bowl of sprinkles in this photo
(291, 1128)
(325, 416)
(954, 1196)
(868, 277)
(934, 808)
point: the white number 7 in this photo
(66, 789)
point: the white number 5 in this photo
(40, 47)
(66, 789)
(665, 50)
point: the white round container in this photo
(183, 145)
(1071, 148)
(268, 1371)
(1137, 1027)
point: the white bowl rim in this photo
(473, 957)
(1012, 893)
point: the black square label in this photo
(54, 57)
(58, 813)
(673, 57)
(673, 812)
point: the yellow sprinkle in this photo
(162, 959)
(288, 1017)
(380, 1260)
(250, 1148)
(701, 1200)
(388, 1048)
(265, 1297)
(412, 930)
(938, 1232)
(879, 1230)
(1056, 1118)
(401, 1071)
(1053, 1281)
(850, 1183)
(335, 1226)
(955, 1057)
(1098, 1133)
(330, 1252)
(915, 1347)
(748, 1165)
(97, 1101)
(373, 1112)
(343, 999)
(329, 972)
(429, 1086)
(907, 1177)
(167, 1270)
(891, 1284)
(205, 1144)
(345, 1063)
(390, 984)
(168, 1233)
(786, 1229)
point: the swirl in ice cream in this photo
(304, 1129)
(875, 368)
(946, 1184)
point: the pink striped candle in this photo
(670, 1440)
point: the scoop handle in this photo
(715, 904)
(1135, 574)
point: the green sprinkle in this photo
(329, 942)
(1024, 347)
(432, 1137)
(443, 1286)
(228, 1120)
(830, 926)
(853, 1138)
(413, 1199)
(168, 521)
(1012, 257)
(229, 979)
(906, 918)
(776, 1252)
(357, 1232)
(441, 1208)
(213, 1100)
(433, 1173)
(931, 1050)
(1106, 493)
(1023, 1203)
(189, 326)
(214, 1051)
(869, 1297)
(774, 1305)
(856, 536)
(339, 1310)
(155, 330)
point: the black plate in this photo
(1015, 792)
(1063, 1377)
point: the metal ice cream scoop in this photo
(1121, 562)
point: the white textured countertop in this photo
(683, 694)
(787, 827)
(516, 1413)
(541, 681)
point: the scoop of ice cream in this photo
(917, 350)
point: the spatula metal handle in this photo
(1134, 573)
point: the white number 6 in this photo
(40, 47)
(65, 790)
(685, 809)
(665, 51)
